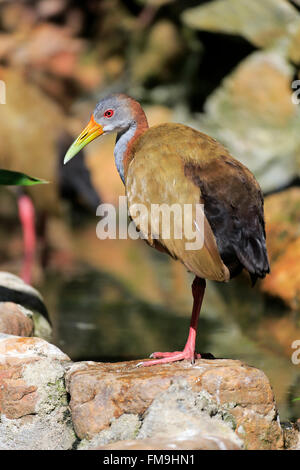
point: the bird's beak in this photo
(92, 130)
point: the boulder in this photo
(17, 296)
(261, 23)
(282, 212)
(34, 412)
(222, 398)
(182, 441)
(253, 115)
(15, 320)
(291, 432)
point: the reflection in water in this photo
(98, 318)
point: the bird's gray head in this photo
(115, 113)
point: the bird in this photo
(175, 164)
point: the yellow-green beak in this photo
(92, 130)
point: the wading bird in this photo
(175, 164)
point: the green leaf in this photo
(296, 399)
(14, 178)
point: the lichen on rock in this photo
(33, 400)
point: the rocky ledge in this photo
(48, 402)
(34, 412)
(224, 401)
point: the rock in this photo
(15, 320)
(14, 290)
(49, 8)
(16, 284)
(261, 23)
(16, 16)
(282, 213)
(291, 433)
(163, 47)
(33, 401)
(284, 280)
(224, 398)
(123, 428)
(183, 441)
(253, 115)
(47, 47)
(42, 328)
(294, 47)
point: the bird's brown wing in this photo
(156, 175)
(173, 164)
(234, 208)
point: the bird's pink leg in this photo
(198, 288)
(27, 218)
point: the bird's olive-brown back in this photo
(156, 176)
(175, 164)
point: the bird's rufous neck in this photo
(125, 140)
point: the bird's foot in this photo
(166, 357)
(187, 355)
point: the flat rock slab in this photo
(15, 320)
(197, 441)
(224, 398)
(34, 411)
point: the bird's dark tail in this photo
(252, 253)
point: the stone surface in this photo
(15, 283)
(294, 46)
(125, 427)
(33, 401)
(163, 46)
(261, 23)
(291, 433)
(253, 115)
(15, 320)
(282, 212)
(222, 398)
(183, 441)
(26, 300)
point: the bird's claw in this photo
(139, 364)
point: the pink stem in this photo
(27, 218)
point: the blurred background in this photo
(225, 67)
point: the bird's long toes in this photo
(159, 355)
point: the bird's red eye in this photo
(108, 113)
